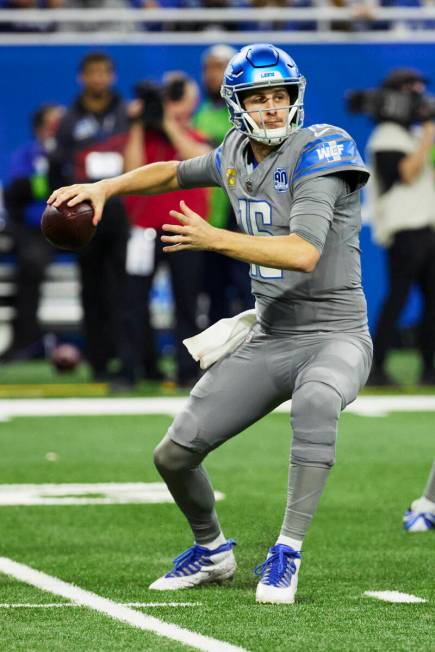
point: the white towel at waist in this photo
(221, 338)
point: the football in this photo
(68, 227)
(65, 358)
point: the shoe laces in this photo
(279, 562)
(412, 516)
(197, 553)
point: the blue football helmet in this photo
(258, 66)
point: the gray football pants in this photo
(322, 372)
(429, 492)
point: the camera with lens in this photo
(383, 105)
(154, 96)
(399, 99)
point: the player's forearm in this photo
(282, 252)
(151, 179)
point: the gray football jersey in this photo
(267, 201)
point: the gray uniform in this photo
(311, 340)
(311, 327)
(274, 199)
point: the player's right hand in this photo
(94, 193)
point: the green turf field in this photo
(356, 543)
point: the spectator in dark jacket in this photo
(90, 142)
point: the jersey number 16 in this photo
(255, 216)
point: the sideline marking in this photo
(55, 605)
(115, 610)
(369, 406)
(99, 493)
(394, 596)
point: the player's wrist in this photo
(106, 186)
(219, 241)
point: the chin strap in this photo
(271, 136)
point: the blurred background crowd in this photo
(121, 304)
(101, 135)
(361, 16)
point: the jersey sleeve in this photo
(201, 171)
(330, 150)
(312, 211)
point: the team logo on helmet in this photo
(263, 65)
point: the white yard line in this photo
(55, 605)
(394, 596)
(363, 405)
(112, 609)
(98, 493)
(89, 406)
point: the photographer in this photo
(403, 210)
(160, 132)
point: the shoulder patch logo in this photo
(231, 174)
(331, 151)
(280, 180)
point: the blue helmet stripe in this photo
(263, 65)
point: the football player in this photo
(420, 517)
(295, 192)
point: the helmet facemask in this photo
(244, 122)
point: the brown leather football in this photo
(68, 227)
(65, 357)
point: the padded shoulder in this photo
(328, 149)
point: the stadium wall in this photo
(34, 74)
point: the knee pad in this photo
(315, 411)
(169, 457)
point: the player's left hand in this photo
(192, 233)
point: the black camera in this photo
(385, 104)
(153, 97)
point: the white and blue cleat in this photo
(198, 565)
(420, 517)
(279, 575)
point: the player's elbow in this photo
(307, 257)
(308, 264)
